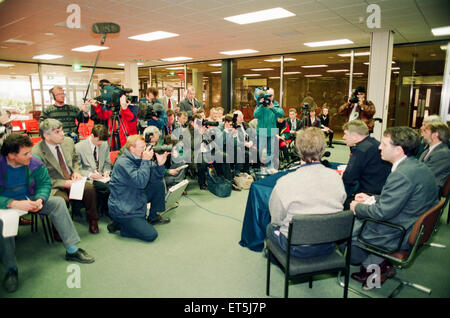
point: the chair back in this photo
(427, 221)
(321, 228)
(446, 188)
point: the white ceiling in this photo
(202, 28)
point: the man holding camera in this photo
(267, 112)
(357, 107)
(132, 186)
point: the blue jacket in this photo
(129, 179)
(267, 118)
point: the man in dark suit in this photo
(59, 156)
(366, 171)
(410, 190)
(190, 104)
(437, 155)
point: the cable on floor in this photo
(212, 212)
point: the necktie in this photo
(426, 154)
(62, 164)
(96, 157)
(169, 104)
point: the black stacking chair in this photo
(308, 230)
(46, 226)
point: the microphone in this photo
(105, 28)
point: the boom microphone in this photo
(105, 28)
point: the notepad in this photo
(10, 220)
(77, 189)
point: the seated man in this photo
(318, 197)
(25, 185)
(96, 163)
(409, 191)
(59, 156)
(365, 171)
(423, 145)
(437, 155)
(325, 125)
(135, 181)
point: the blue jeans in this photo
(137, 227)
(302, 251)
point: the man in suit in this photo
(96, 163)
(59, 156)
(366, 171)
(190, 104)
(437, 156)
(167, 100)
(423, 145)
(410, 190)
(25, 185)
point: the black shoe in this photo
(112, 227)
(80, 256)
(11, 281)
(159, 220)
(330, 146)
(203, 187)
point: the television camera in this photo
(262, 96)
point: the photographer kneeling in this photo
(137, 180)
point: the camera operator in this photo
(66, 114)
(135, 181)
(266, 112)
(357, 107)
(154, 114)
(190, 104)
(182, 119)
(231, 139)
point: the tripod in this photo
(116, 123)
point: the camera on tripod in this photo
(147, 111)
(262, 96)
(305, 109)
(110, 96)
(208, 123)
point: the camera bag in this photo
(218, 185)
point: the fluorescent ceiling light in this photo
(274, 77)
(287, 59)
(355, 54)
(175, 68)
(367, 63)
(121, 64)
(46, 57)
(262, 15)
(236, 52)
(153, 36)
(216, 72)
(90, 48)
(314, 66)
(355, 73)
(215, 64)
(395, 68)
(443, 47)
(328, 43)
(290, 73)
(313, 75)
(6, 65)
(337, 71)
(262, 69)
(441, 31)
(140, 63)
(249, 75)
(175, 59)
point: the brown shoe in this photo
(93, 227)
(361, 276)
(23, 221)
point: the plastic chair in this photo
(420, 234)
(46, 226)
(308, 230)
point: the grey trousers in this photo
(56, 209)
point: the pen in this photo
(27, 198)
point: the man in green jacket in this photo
(25, 185)
(267, 114)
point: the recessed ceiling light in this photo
(274, 77)
(152, 36)
(313, 75)
(216, 72)
(262, 69)
(337, 71)
(395, 68)
(121, 64)
(49, 33)
(329, 43)
(441, 31)
(90, 48)
(354, 74)
(355, 54)
(175, 59)
(289, 73)
(262, 15)
(215, 64)
(46, 57)
(175, 68)
(249, 75)
(6, 65)
(236, 52)
(314, 66)
(286, 59)
(443, 47)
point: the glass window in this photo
(164, 76)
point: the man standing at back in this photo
(167, 100)
(190, 104)
(365, 171)
(410, 190)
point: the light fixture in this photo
(286, 59)
(262, 69)
(6, 65)
(355, 54)
(441, 31)
(395, 68)
(90, 48)
(313, 75)
(46, 57)
(262, 15)
(314, 66)
(175, 59)
(216, 72)
(329, 43)
(290, 73)
(175, 68)
(215, 64)
(274, 77)
(250, 75)
(153, 36)
(237, 52)
(337, 71)
(354, 74)
(121, 64)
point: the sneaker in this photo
(11, 281)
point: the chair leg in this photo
(310, 281)
(268, 273)
(45, 231)
(286, 283)
(347, 276)
(49, 226)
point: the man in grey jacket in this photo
(409, 191)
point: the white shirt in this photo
(55, 153)
(395, 164)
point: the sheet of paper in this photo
(370, 200)
(10, 220)
(77, 189)
(104, 179)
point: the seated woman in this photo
(312, 189)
